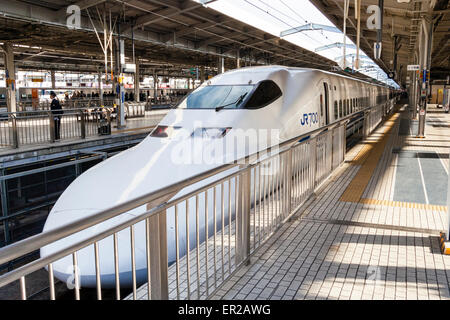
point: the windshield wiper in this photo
(237, 102)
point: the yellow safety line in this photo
(401, 204)
(368, 158)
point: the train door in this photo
(327, 102)
(323, 103)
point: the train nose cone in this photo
(85, 257)
(128, 175)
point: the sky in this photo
(275, 16)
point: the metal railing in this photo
(34, 127)
(231, 216)
(77, 103)
(13, 184)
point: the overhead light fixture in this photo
(403, 1)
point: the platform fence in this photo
(186, 248)
(77, 103)
(37, 127)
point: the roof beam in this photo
(309, 27)
(335, 45)
(163, 14)
(216, 38)
(83, 4)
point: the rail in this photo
(232, 217)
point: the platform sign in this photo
(34, 93)
(34, 98)
(424, 75)
(413, 67)
(129, 68)
(423, 93)
(377, 50)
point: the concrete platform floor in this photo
(354, 239)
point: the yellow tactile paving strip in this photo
(368, 158)
(403, 204)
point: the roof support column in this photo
(202, 74)
(221, 65)
(52, 75)
(413, 91)
(358, 31)
(120, 90)
(10, 71)
(100, 88)
(344, 47)
(137, 87)
(424, 54)
(155, 82)
(238, 58)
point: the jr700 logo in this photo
(310, 118)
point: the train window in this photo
(211, 97)
(340, 108)
(266, 93)
(335, 110)
(321, 105)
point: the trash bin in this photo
(104, 127)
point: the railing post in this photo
(243, 218)
(5, 209)
(108, 119)
(51, 126)
(366, 125)
(159, 280)
(332, 133)
(344, 142)
(82, 124)
(313, 144)
(288, 181)
(15, 138)
(448, 203)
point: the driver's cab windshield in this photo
(232, 96)
(212, 97)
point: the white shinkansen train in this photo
(287, 101)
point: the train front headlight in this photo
(164, 131)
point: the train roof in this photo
(273, 68)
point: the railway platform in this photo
(372, 229)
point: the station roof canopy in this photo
(400, 30)
(169, 35)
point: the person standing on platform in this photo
(55, 106)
